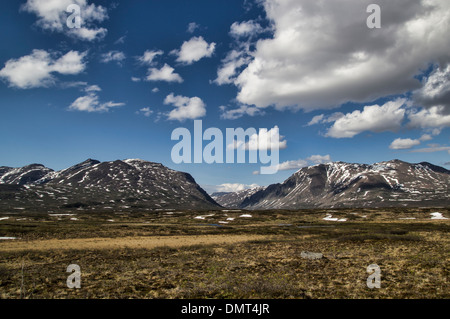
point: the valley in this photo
(227, 253)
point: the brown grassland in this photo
(175, 255)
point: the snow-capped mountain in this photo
(392, 183)
(131, 183)
(23, 175)
(234, 199)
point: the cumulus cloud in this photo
(52, 16)
(113, 56)
(185, 107)
(435, 90)
(434, 117)
(300, 163)
(166, 73)
(193, 50)
(263, 140)
(375, 118)
(91, 103)
(38, 68)
(322, 55)
(401, 144)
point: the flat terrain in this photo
(226, 254)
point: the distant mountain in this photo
(23, 175)
(332, 185)
(128, 184)
(234, 199)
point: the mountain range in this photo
(127, 184)
(135, 184)
(333, 185)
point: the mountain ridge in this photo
(130, 183)
(340, 184)
(140, 184)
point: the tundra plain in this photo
(226, 253)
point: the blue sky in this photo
(118, 86)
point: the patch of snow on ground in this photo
(7, 238)
(437, 215)
(61, 214)
(4, 218)
(329, 218)
(246, 216)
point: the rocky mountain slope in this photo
(332, 185)
(234, 199)
(128, 184)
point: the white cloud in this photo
(434, 117)
(155, 90)
(92, 88)
(300, 163)
(431, 149)
(135, 79)
(322, 55)
(149, 56)
(426, 137)
(90, 102)
(292, 165)
(113, 56)
(319, 159)
(316, 120)
(436, 89)
(38, 68)
(88, 34)
(375, 118)
(166, 73)
(52, 16)
(145, 111)
(185, 107)
(235, 59)
(239, 112)
(402, 144)
(192, 27)
(234, 187)
(193, 50)
(245, 28)
(263, 140)
(322, 118)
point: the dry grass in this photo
(160, 256)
